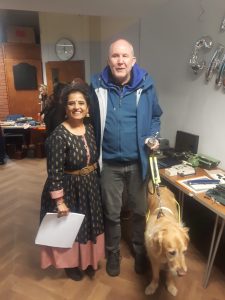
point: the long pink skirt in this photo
(80, 255)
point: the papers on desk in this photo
(199, 184)
(7, 123)
(217, 174)
(59, 232)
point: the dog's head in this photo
(169, 245)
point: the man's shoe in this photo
(113, 263)
(140, 263)
(74, 273)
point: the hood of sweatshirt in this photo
(139, 79)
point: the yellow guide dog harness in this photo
(156, 181)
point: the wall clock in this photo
(65, 49)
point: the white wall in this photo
(91, 35)
(168, 34)
(2, 15)
(95, 45)
(55, 26)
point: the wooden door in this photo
(63, 71)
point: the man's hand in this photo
(152, 143)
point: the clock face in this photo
(65, 49)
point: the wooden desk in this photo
(20, 136)
(218, 209)
(16, 135)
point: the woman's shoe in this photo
(74, 273)
(90, 272)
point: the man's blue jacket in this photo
(148, 109)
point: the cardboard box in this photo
(20, 34)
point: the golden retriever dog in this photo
(166, 240)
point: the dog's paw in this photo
(172, 289)
(151, 288)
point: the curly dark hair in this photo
(73, 88)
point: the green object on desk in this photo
(193, 160)
(202, 161)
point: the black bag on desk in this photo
(218, 193)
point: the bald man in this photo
(125, 113)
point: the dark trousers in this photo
(114, 178)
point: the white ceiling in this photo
(85, 7)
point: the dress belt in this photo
(84, 171)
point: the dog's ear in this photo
(157, 241)
(186, 230)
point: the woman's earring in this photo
(87, 115)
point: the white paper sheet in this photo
(197, 188)
(59, 232)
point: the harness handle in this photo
(156, 181)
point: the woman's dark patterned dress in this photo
(66, 151)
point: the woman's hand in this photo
(63, 210)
